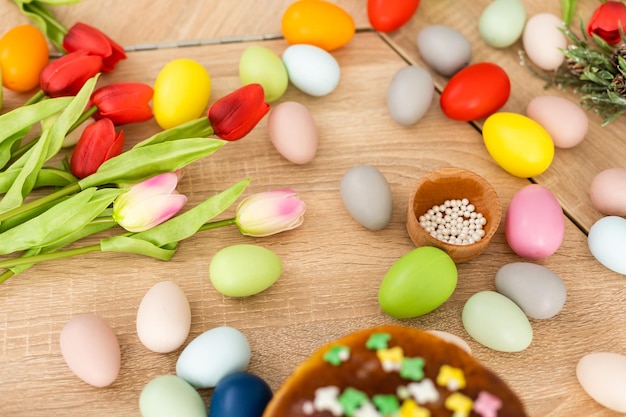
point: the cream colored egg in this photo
(293, 132)
(603, 376)
(564, 120)
(543, 41)
(163, 318)
(607, 192)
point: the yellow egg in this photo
(518, 144)
(317, 22)
(181, 92)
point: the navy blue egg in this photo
(240, 395)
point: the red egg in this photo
(476, 91)
(389, 15)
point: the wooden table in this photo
(332, 265)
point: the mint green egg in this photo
(502, 22)
(261, 65)
(169, 395)
(244, 270)
(418, 283)
(496, 322)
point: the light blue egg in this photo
(311, 69)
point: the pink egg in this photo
(564, 120)
(293, 132)
(534, 225)
(606, 192)
(91, 350)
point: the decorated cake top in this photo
(393, 371)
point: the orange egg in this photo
(23, 54)
(319, 23)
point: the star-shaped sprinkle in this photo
(412, 368)
(459, 404)
(424, 392)
(451, 378)
(378, 341)
(391, 359)
(411, 409)
(337, 354)
(386, 404)
(351, 399)
(487, 404)
(326, 400)
(367, 410)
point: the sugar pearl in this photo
(455, 222)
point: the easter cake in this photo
(393, 371)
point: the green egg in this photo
(502, 22)
(261, 65)
(418, 283)
(169, 395)
(244, 270)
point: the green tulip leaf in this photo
(138, 164)
(42, 17)
(128, 244)
(196, 128)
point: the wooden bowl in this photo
(453, 184)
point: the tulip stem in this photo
(217, 224)
(39, 95)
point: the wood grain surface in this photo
(332, 265)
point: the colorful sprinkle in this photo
(424, 392)
(459, 404)
(337, 354)
(451, 378)
(391, 359)
(326, 400)
(378, 341)
(367, 410)
(351, 400)
(487, 404)
(386, 404)
(411, 409)
(412, 368)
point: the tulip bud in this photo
(236, 114)
(270, 212)
(97, 144)
(67, 75)
(607, 20)
(148, 203)
(87, 38)
(123, 102)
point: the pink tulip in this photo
(270, 212)
(149, 203)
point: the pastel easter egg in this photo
(311, 69)
(390, 15)
(181, 92)
(538, 291)
(240, 395)
(496, 322)
(163, 317)
(367, 197)
(169, 395)
(213, 355)
(607, 242)
(476, 91)
(603, 376)
(565, 121)
(317, 22)
(535, 224)
(410, 95)
(91, 350)
(502, 22)
(233, 277)
(293, 132)
(543, 41)
(606, 193)
(261, 65)
(444, 49)
(521, 146)
(418, 283)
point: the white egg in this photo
(607, 242)
(213, 355)
(603, 376)
(311, 69)
(543, 41)
(163, 318)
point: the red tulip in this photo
(236, 114)
(97, 144)
(123, 102)
(84, 37)
(607, 20)
(66, 75)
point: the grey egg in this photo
(444, 49)
(367, 197)
(410, 95)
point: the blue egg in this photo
(240, 395)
